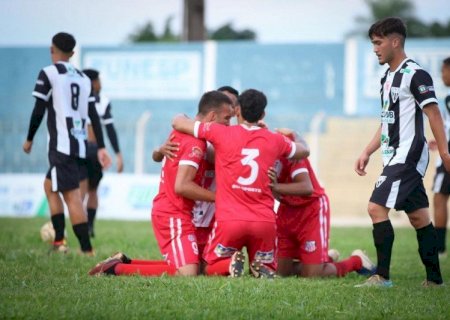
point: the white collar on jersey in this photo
(249, 126)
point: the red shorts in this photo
(202, 238)
(176, 239)
(303, 232)
(229, 236)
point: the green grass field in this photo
(36, 285)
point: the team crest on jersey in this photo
(264, 256)
(394, 93)
(380, 180)
(196, 152)
(310, 246)
(222, 251)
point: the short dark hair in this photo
(387, 26)
(253, 103)
(64, 42)
(212, 100)
(91, 73)
(229, 89)
(446, 61)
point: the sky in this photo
(110, 22)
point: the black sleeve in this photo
(112, 136)
(36, 118)
(95, 121)
(422, 88)
(42, 88)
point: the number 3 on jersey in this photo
(249, 160)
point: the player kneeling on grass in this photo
(303, 224)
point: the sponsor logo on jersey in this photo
(78, 131)
(388, 117)
(394, 93)
(424, 89)
(310, 246)
(380, 180)
(222, 251)
(196, 152)
(405, 70)
(192, 238)
(40, 82)
(264, 256)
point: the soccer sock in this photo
(59, 224)
(383, 237)
(144, 269)
(427, 240)
(148, 262)
(81, 231)
(350, 264)
(220, 268)
(441, 235)
(91, 216)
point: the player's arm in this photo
(184, 124)
(363, 160)
(437, 127)
(112, 136)
(186, 187)
(169, 150)
(36, 118)
(301, 146)
(103, 156)
(300, 186)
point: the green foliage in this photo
(227, 32)
(404, 9)
(36, 285)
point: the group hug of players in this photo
(216, 196)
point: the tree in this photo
(404, 9)
(145, 33)
(226, 32)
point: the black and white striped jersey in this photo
(404, 93)
(68, 93)
(446, 117)
(103, 107)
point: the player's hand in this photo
(272, 177)
(27, 146)
(104, 158)
(262, 124)
(291, 134)
(170, 148)
(361, 164)
(119, 162)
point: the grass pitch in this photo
(36, 285)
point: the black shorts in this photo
(65, 172)
(94, 168)
(400, 187)
(441, 182)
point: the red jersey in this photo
(191, 152)
(287, 170)
(243, 157)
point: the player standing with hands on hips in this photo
(406, 93)
(66, 93)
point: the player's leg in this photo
(95, 174)
(287, 243)
(57, 216)
(261, 243)
(440, 219)
(222, 255)
(177, 242)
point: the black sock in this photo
(383, 237)
(441, 235)
(59, 224)
(81, 231)
(91, 216)
(427, 239)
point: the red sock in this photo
(144, 269)
(350, 264)
(220, 268)
(148, 262)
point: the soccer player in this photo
(180, 186)
(244, 202)
(95, 173)
(407, 93)
(303, 223)
(65, 92)
(441, 183)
